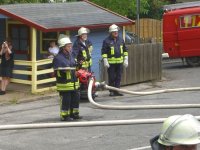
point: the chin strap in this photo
(155, 145)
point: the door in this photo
(170, 35)
(20, 37)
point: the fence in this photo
(150, 30)
(144, 64)
(35, 78)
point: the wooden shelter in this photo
(32, 26)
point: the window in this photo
(190, 21)
(47, 37)
(19, 35)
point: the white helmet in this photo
(83, 30)
(63, 40)
(113, 28)
(180, 130)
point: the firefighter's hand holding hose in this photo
(106, 64)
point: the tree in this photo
(148, 8)
(155, 9)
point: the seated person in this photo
(53, 50)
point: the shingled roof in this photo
(63, 16)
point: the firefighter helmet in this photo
(83, 30)
(180, 130)
(63, 40)
(113, 28)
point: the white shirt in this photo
(54, 50)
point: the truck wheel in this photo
(193, 61)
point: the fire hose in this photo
(84, 124)
(122, 107)
(109, 122)
(152, 92)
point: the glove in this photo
(90, 48)
(125, 61)
(106, 64)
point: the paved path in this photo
(100, 138)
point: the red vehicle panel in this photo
(181, 33)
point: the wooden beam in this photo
(21, 81)
(24, 72)
(33, 59)
(46, 80)
(53, 88)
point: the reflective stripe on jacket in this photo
(66, 79)
(113, 50)
(83, 52)
(88, 61)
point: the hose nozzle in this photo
(100, 85)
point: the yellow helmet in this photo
(180, 130)
(113, 28)
(63, 40)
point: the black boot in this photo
(2, 92)
(112, 94)
(66, 118)
(76, 116)
(118, 94)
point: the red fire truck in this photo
(181, 32)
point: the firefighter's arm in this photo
(104, 50)
(65, 68)
(125, 50)
(75, 50)
(57, 65)
(90, 47)
(104, 53)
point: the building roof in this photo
(181, 6)
(63, 16)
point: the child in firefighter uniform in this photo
(82, 49)
(67, 83)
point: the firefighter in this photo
(115, 55)
(179, 132)
(67, 82)
(82, 49)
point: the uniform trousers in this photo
(69, 103)
(114, 75)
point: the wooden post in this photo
(6, 27)
(124, 33)
(67, 33)
(33, 60)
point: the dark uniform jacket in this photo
(118, 46)
(66, 79)
(78, 49)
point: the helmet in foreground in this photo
(180, 130)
